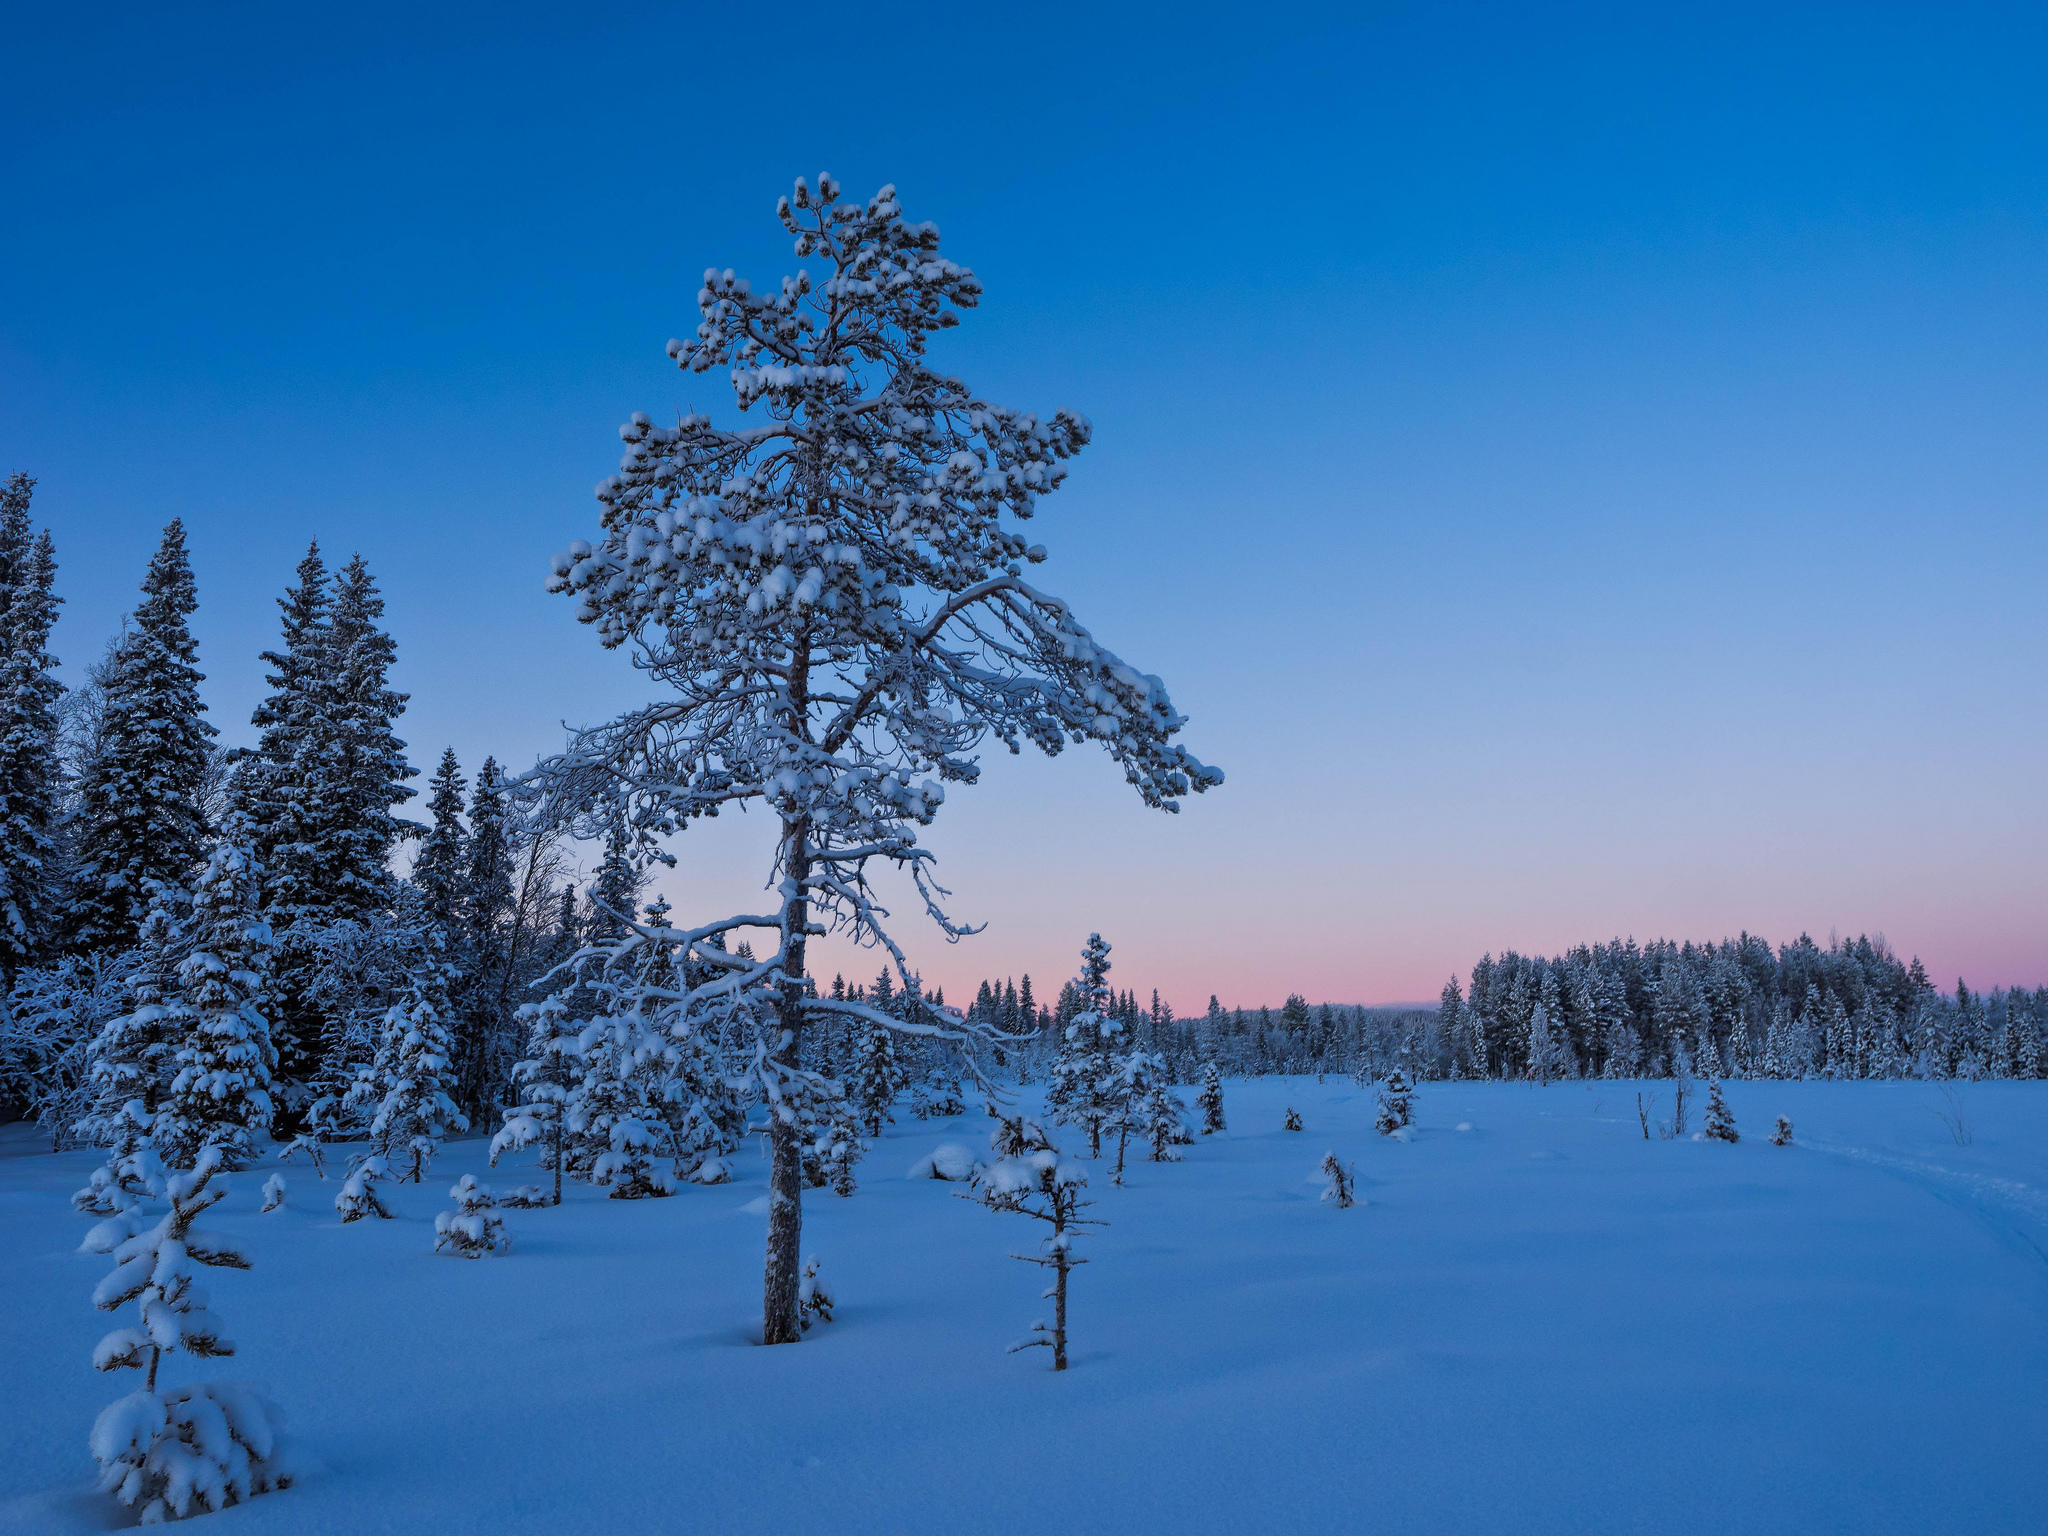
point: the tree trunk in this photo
(780, 1320)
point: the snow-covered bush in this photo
(1028, 1178)
(1293, 1120)
(525, 1197)
(273, 1193)
(1339, 1193)
(1781, 1134)
(948, 1161)
(834, 1153)
(359, 1197)
(1720, 1124)
(474, 1228)
(1210, 1099)
(167, 1452)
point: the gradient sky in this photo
(1581, 470)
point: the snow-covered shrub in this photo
(173, 1452)
(273, 1193)
(474, 1228)
(1293, 1120)
(525, 1197)
(1781, 1134)
(1210, 1099)
(1028, 1178)
(712, 1170)
(813, 1301)
(359, 1197)
(1339, 1193)
(835, 1151)
(1720, 1124)
(948, 1161)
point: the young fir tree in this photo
(1781, 1134)
(617, 1136)
(473, 1229)
(29, 693)
(546, 1076)
(1028, 1178)
(1087, 1088)
(1340, 1191)
(1210, 1099)
(223, 1087)
(405, 1089)
(1720, 1124)
(173, 1451)
(129, 1066)
(1293, 1120)
(877, 1079)
(1397, 1104)
(851, 537)
(140, 816)
(1164, 1119)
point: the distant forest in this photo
(1738, 1008)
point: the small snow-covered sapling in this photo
(1720, 1123)
(359, 1197)
(1781, 1136)
(813, 1302)
(1293, 1120)
(473, 1229)
(1029, 1178)
(273, 1193)
(1397, 1105)
(167, 1453)
(1341, 1177)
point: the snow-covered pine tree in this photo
(140, 816)
(1087, 1080)
(358, 1197)
(1546, 1059)
(1342, 1179)
(162, 1451)
(814, 1301)
(1210, 1100)
(1163, 1119)
(130, 1066)
(29, 693)
(223, 1082)
(1029, 1178)
(877, 1079)
(1781, 1133)
(437, 869)
(1292, 1121)
(406, 1089)
(1397, 1104)
(363, 826)
(546, 1076)
(617, 1136)
(1720, 1124)
(473, 1229)
(484, 936)
(807, 565)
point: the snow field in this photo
(1540, 1323)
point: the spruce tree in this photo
(1086, 1089)
(372, 770)
(29, 692)
(877, 1079)
(1210, 1100)
(223, 1069)
(406, 1088)
(1720, 1123)
(129, 1064)
(438, 867)
(141, 814)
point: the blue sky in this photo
(1582, 471)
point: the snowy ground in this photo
(1538, 1322)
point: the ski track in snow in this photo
(2008, 1207)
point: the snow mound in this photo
(949, 1161)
